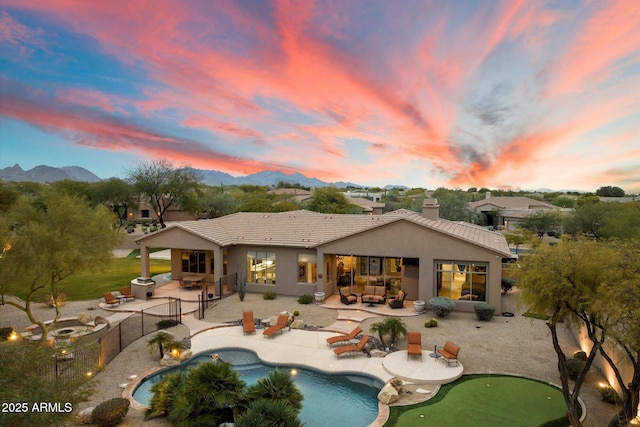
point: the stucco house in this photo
(506, 212)
(302, 252)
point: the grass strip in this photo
(85, 285)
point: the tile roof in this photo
(511, 203)
(308, 229)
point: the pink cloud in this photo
(610, 35)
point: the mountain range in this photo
(43, 174)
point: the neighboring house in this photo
(146, 212)
(369, 207)
(299, 195)
(303, 252)
(506, 212)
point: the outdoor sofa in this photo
(374, 294)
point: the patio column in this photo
(144, 263)
(218, 263)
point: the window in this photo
(307, 268)
(194, 262)
(461, 280)
(261, 267)
(144, 213)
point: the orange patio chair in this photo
(414, 347)
(248, 324)
(109, 299)
(351, 348)
(126, 292)
(278, 327)
(450, 353)
(344, 338)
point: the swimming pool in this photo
(329, 399)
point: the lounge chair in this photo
(125, 291)
(450, 353)
(279, 326)
(351, 348)
(344, 338)
(248, 325)
(110, 300)
(398, 300)
(414, 347)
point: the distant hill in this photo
(45, 174)
(270, 178)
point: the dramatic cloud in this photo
(433, 93)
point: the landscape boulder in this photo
(388, 394)
(297, 324)
(84, 318)
(85, 416)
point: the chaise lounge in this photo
(344, 338)
(248, 324)
(351, 348)
(278, 327)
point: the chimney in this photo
(431, 209)
(487, 195)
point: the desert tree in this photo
(47, 238)
(565, 281)
(163, 185)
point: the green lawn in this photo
(90, 285)
(486, 400)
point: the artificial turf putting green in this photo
(487, 400)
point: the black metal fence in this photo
(135, 327)
(211, 292)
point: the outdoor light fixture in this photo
(294, 372)
(13, 336)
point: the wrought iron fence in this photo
(137, 326)
(211, 292)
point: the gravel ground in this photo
(515, 345)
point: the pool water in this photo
(329, 399)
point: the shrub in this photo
(296, 313)
(110, 412)
(167, 323)
(305, 299)
(580, 355)
(442, 306)
(431, 323)
(506, 284)
(484, 311)
(609, 395)
(269, 295)
(574, 367)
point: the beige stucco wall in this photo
(408, 240)
(399, 239)
(286, 269)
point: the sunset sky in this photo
(499, 94)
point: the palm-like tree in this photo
(278, 385)
(213, 394)
(269, 413)
(164, 394)
(391, 326)
(160, 341)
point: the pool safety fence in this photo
(135, 327)
(221, 288)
